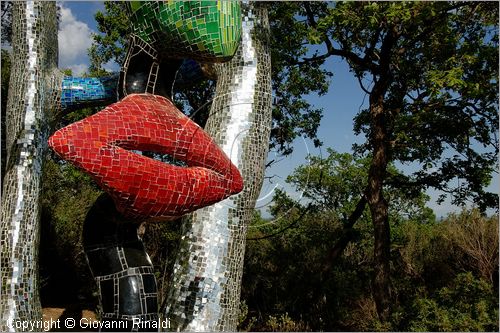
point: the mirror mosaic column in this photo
(34, 84)
(205, 291)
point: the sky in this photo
(340, 104)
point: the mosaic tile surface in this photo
(141, 186)
(139, 72)
(205, 291)
(79, 91)
(209, 272)
(121, 267)
(34, 86)
(208, 30)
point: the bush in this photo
(475, 239)
(468, 304)
(283, 323)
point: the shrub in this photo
(468, 304)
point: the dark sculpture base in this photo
(121, 268)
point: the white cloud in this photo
(78, 69)
(111, 66)
(74, 40)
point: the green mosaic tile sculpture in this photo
(200, 30)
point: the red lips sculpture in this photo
(142, 187)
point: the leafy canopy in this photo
(434, 66)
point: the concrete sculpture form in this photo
(167, 34)
(145, 119)
(142, 187)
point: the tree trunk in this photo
(205, 292)
(33, 84)
(379, 207)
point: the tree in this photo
(431, 73)
(111, 45)
(333, 183)
(290, 252)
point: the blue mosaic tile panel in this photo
(78, 91)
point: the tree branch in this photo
(292, 224)
(347, 235)
(430, 23)
(358, 76)
(369, 49)
(364, 63)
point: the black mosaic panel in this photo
(127, 286)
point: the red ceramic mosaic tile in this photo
(141, 186)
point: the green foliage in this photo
(468, 304)
(433, 292)
(437, 284)
(115, 25)
(335, 183)
(67, 195)
(330, 182)
(293, 80)
(284, 323)
(289, 262)
(430, 70)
